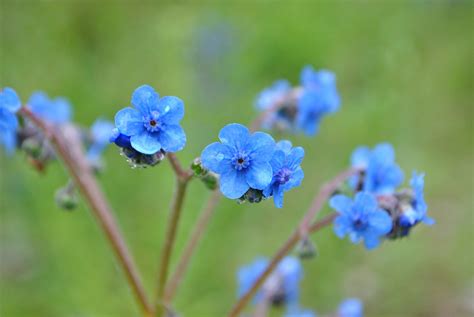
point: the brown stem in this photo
(182, 174)
(191, 245)
(79, 169)
(303, 229)
(169, 242)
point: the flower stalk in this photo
(76, 164)
(304, 228)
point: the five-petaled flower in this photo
(360, 218)
(9, 104)
(319, 97)
(153, 124)
(416, 211)
(287, 172)
(241, 159)
(56, 111)
(382, 174)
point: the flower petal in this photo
(233, 184)
(384, 153)
(278, 197)
(259, 175)
(172, 138)
(260, 146)
(171, 109)
(371, 241)
(341, 226)
(341, 204)
(284, 145)
(146, 142)
(360, 157)
(145, 98)
(234, 134)
(129, 121)
(365, 202)
(216, 157)
(295, 180)
(295, 157)
(9, 100)
(381, 222)
(277, 161)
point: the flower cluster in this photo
(55, 111)
(378, 210)
(300, 108)
(282, 288)
(150, 128)
(9, 104)
(253, 166)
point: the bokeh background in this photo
(405, 74)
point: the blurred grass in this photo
(405, 73)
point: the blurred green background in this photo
(405, 74)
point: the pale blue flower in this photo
(287, 172)
(361, 219)
(56, 111)
(153, 124)
(319, 97)
(382, 174)
(241, 159)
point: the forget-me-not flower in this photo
(351, 307)
(241, 159)
(319, 97)
(9, 104)
(267, 98)
(382, 174)
(361, 219)
(416, 211)
(56, 111)
(287, 172)
(153, 123)
(282, 286)
(100, 133)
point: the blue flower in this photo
(360, 218)
(153, 124)
(287, 172)
(282, 286)
(248, 274)
(319, 97)
(267, 98)
(101, 132)
(56, 111)
(9, 104)
(417, 210)
(241, 159)
(382, 174)
(351, 307)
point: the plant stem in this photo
(301, 231)
(79, 169)
(176, 206)
(191, 245)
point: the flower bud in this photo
(66, 197)
(139, 160)
(207, 177)
(306, 249)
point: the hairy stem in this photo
(301, 231)
(191, 245)
(176, 207)
(76, 163)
